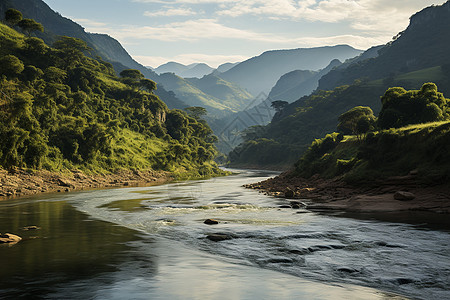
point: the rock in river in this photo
(217, 237)
(9, 238)
(211, 222)
(404, 196)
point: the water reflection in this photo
(68, 246)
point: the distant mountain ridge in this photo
(296, 84)
(196, 70)
(260, 73)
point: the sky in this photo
(214, 32)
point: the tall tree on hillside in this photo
(13, 16)
(30, 25)
(278, 105)
(358, 121)
(197, 112)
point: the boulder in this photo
(9, 238)
(404, 196)
(217, 237)
(211, 222)
(288, 193)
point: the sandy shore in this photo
(21, 182)
(380, 196)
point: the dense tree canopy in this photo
(358, 121)
(401, 107)
(13, 16)
(30, 25)
(62, 109)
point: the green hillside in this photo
(420, 148)
(229, 94)
(284, 140)
(63, 110)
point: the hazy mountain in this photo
(218, 96)
(196, 70)
(423, 44)
(226, 66)
(171, 67)
(230, 94)
(260, 73)
(299, 83)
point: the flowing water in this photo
(151, 243)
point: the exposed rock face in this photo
(9, 238)
(404, 196)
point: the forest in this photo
(64, 108)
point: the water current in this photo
(151, 243)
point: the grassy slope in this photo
(393, 152)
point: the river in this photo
(150, 243)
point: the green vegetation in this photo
(288, 136)
(61, 109)
(401, 107)
(382, 154)
(358, 121)
(393, 150)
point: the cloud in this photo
(171, 12)
(186, 59)
(191, 30)
(211, 29)
(89, 22)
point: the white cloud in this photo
(371, 15)
(171, 12)
(186, 59)
(191, 30)
(211, 29)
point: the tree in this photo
(402, 107)
(358, 121)
(148, 85)
(197, 112)
(13, 16)
(66, 42)
(132, 74)
(278, 105)
(30, 25)
(10, 65)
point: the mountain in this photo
(105, 46)
(196, 70)
(225, 67)
(230, 94)
(296, 84)
(171, 67)
(211, 92)
(292, 129)
(423, 44)
(260, 73)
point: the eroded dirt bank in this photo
(381, 196)
(21, 182)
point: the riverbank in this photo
(20, 182)
(400, 193)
